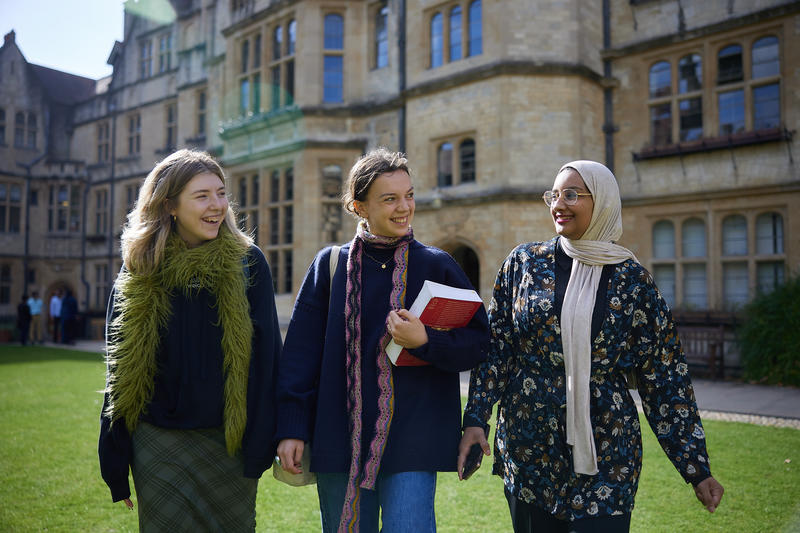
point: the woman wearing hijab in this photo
(575, 321)
(378, 433)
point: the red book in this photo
(441, 307)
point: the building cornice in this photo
(710, 29)
(289, 147)
(710, 194)
(503, 68)
(248, 20)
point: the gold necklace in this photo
(383, 265)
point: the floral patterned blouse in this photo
(525, 373)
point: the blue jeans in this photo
(405, 502)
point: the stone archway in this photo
(468, 260)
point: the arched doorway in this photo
(468, 260)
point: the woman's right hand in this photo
(471, 436)
(290, 452)
(128, 503)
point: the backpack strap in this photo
(334, 261)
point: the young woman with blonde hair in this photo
(192, 344)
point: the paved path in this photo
(736, 402)
(717, 400)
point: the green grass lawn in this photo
(50, 479)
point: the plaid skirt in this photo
(186, 481)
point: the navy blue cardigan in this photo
(189, 382)
(426, 427)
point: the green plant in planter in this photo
(769, 336)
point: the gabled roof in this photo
(62, 87)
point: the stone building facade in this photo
(693, 104)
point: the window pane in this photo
(256, 104)
(333, 79)
(769, 276)
(275, 102)
(244, 96)
(288, 224)
(690, 73)
(734, 235)
(254, 191)
(475, 29)
(664, 276)
(445, 165)
(277, 42)
(381, 37)
(731, 112)
(274, 225)
(245, 55)
(15, 194)
(3, 190)
(243, 191)
(292, 37)
(661, 124)
(436, 41)
(660, 80)
(734, 285)
(467, 160)
(455, 33)
(691, 119)
(287, 271)
(257, 51)
(765, 57)
(729, 65)
(274, 186)
(13, 219)
(663, 240)
(694, 286)
(769, 234)
(334, 32)
(694, 238)
(766, 107)
(289, 83)
(2, 218)
(289, 177)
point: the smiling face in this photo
(200, 209)
(389, 206)
(571, 221)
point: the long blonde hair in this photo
(144, 236)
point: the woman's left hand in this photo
(709, 492)
(406, 329)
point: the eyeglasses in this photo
(570, 196)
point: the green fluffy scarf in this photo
(142, 304)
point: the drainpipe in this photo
(608, 94)
(111, 225)
(401, 73)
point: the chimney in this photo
(10, 37)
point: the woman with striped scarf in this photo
(378, 433)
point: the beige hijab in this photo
(589, 253)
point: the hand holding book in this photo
(438, 306)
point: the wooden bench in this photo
(704, 349)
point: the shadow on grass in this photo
(10, 354)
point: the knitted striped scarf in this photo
(364, 475)
(142, 305)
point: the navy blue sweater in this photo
(189, 381)
(312, 405)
